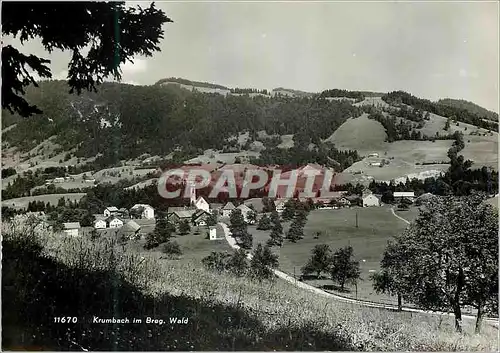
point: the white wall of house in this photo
(148, 213)
(202, 204)
(213, 233)
(71, 232)
(226, 213)
(107, 213)
(101, 224)
(115, 223)
(370, 200)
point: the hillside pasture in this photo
(361, 134)
(375, 101)
(376, 226)
(53, 199)
(216, 157)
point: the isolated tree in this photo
(276, 238)
(113, 33)
(252, 217)
(246, 239)
(289, 210)
(447, 125)
(451, 257)
(212, 220)
(385, 281)
(262, 263)
(301, 217)
(184, 227)
(344, 269)
(237, 223)
(237, 263)
(276, 224)
(264, 223)
(320, 260)
(295, 232)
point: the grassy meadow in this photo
(376, 225)
(82, 278)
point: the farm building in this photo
(200, 218)
(59, 180)
(71, 228)
(99, 224)
(370, 200)
(398, 195)
(181, 215)
(129, 229)
(114, 222)
(371, 155)
(227, 209)
(142, 211)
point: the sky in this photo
(430, 49)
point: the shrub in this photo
(172, 248)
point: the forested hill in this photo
(123, 121)
(470, 107)
(453, 112)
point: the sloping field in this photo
(482, 149)
(361, 134)
(217, 157)
(22, 202)
(142, 184)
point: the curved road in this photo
(232, 243)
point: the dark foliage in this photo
(114, 33)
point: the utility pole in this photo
(356, 290)
(295, 278)
(356, 219)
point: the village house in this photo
(202, 204)
(111, 211)
(59, 180)
(178, 216)
(99, 224)
(200, 218)
(142, 211)
(227, 209)
(245, 211)
(399, 195)
(71, 228)
(212, 233)
(370, 200)
(114, 222)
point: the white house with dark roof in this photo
(181, 215)
(110, 211)
(200, 218)
(114, 222)
(227, 209)
(144, 211)
(71, 228)
(370, 200)
(100, 224)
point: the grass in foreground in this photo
(77, 277)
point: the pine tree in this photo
(264, 223)
(237, 263)
(295, 232)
